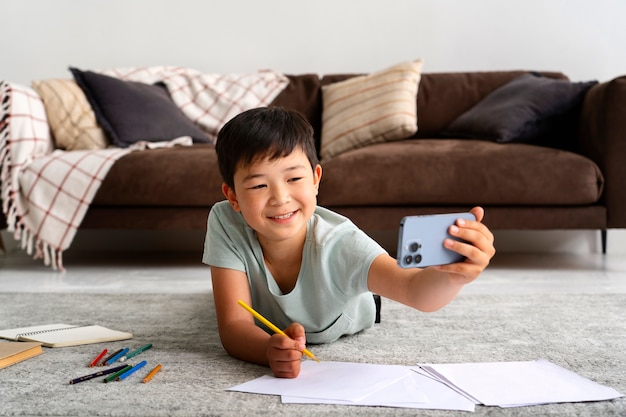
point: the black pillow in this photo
(131, 111)
(523, 110)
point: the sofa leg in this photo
(603, 240)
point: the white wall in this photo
(584, 39)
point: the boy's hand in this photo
(478, 250)
(285, 353)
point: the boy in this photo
(308, 270)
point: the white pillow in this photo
(368, 109)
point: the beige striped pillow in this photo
(71, 119)
(368, 109)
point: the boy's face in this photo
(276, 198)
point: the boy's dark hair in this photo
(264, 132)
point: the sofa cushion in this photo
(71, 118)
(462, 172)
(370, 109)
(442, 97)
(131, 111)
(182, 176)
(520, 111)
(302, 94)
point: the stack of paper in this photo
(442, 387)
(515, 384)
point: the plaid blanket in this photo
(46, 193)
(209, 100)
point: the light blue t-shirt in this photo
(330, 299)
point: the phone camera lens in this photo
(414, 246)
(408, 259)
(418, 258)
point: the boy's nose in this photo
(280, 196)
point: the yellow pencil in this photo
(152, 373)
(271, 326)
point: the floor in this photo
(182, 272)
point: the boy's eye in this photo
(295, 179)
(257, 187)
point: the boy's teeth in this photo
(284, 216)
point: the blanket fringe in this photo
(5, 156)
(52, 256)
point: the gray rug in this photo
(584, 333)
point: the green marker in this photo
(118, 373)
(136, 352)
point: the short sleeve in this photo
(225, 239)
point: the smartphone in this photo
(420, 240)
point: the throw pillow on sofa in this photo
(132, 111)
(369, 109)
(522, 110)
(71, 118)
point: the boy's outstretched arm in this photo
(431, 288)
(242, 338)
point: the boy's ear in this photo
(230, 195)
(317, 176)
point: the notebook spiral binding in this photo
(17, 337)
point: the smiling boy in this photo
(307, 269)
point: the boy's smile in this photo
(284, 217)
(276, 197)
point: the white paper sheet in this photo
(405, 393)
(329, 381)
(439, 387)
(510, 384)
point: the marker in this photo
(136, 352)
(152, 373)
(97, 374)
(116, 356)
(118, 373)
(100, 356)
(132, 370)
(109, 357)
(272, 327)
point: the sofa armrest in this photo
(602, 137)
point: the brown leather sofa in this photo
(521, 186)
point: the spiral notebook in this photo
(60, 335)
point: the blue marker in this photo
(132, 370)
(117, 356)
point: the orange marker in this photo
(152, 373)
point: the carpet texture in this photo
(581, 332)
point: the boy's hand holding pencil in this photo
(294, 341)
